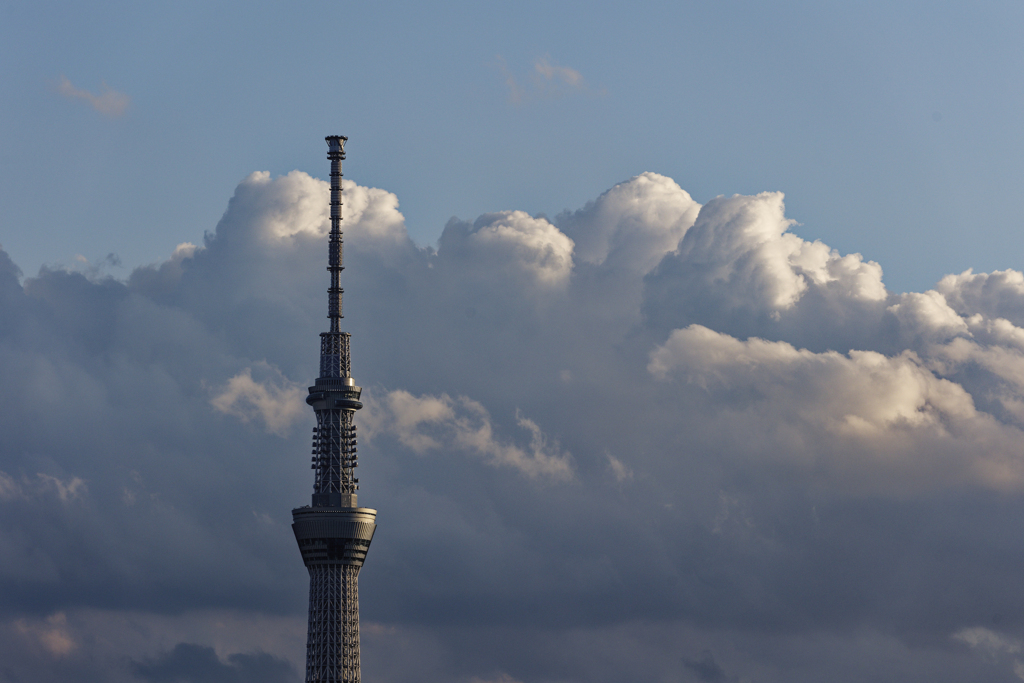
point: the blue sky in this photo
(893, 128)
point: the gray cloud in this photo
(705, 668)
(188, 663)
(599, 444)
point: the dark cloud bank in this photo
(643, 441)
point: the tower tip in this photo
(336, 146)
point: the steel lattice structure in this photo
(334, 533)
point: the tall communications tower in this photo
(334, 533)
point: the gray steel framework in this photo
(333, 624)
(333, 533)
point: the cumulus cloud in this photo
(108, 102)
(633, 225)
(431, 423)
(864, 392)
(929, 316)
(284, 207)
(740, 269)
(885, 408)
(999, 294)
(531, 250)
(643, 422)
(277, 404)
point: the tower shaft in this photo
(333, 533)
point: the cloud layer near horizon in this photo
(646, 439)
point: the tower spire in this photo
(336, 153)
(333, 533)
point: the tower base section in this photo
(332, 645)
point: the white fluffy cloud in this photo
(633, 225)
(999, 294)
(297, 204)
(510, 247)
(743, 246)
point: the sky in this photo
(691, 338)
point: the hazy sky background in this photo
(632, 416)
